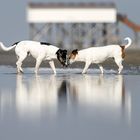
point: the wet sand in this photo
(68, 106)
(8, 58)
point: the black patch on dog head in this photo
(62, 56)
(45, 43)
(15, 43)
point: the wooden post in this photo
(104, 33)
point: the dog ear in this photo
(75, 51)
(65, 51)
(59, 51)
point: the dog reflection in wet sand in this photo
(101, 93)
(98, 55)
(36, 94)
(98, 88)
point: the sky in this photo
(14, 26)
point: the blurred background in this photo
(17, 23)
(70, 105)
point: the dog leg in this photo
(38, 62)
(19, 69)
(19, 63)
(86, 67)
(52, 66)
(120, 68)
(119, 64)
(101, 69)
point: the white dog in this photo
(99, 54)
(40, 51)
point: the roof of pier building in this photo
(71, 13)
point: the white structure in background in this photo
(73, 24)
(61, 13)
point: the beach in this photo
(9, 58)
(69, 105)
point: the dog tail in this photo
(7, 48)
(129, 42)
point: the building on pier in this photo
(73, 25)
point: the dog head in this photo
(72, 56)
(62, 57)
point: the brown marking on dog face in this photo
(73, 54)
(123, 51)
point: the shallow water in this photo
(69, 105)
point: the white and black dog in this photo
(40, 51)
(99, 54)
